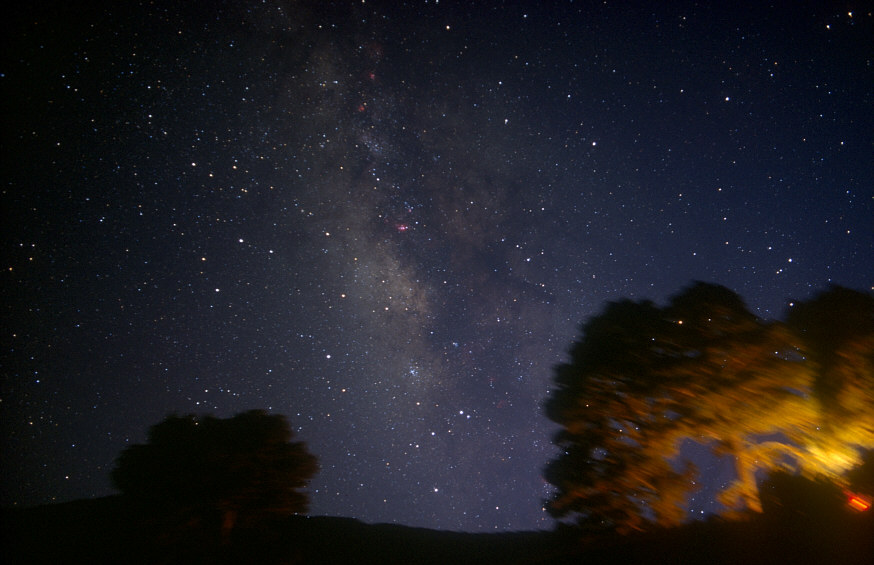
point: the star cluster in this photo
(387, 221)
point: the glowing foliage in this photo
(835, 331)
(643, 379)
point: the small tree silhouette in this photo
(214, 474)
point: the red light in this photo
(859, 503)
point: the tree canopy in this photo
(643, 380)
(243, 468)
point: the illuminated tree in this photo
(643, 380)
(613, 406)
(217, 472)
(743, 382)
(835, 331)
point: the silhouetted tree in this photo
(791, 496)
(643, 380)
(862, 477)
(217, 473)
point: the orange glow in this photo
(859, 503)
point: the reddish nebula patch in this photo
(402, 227)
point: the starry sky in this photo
(387, 220)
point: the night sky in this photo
(387, 221)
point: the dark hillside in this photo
(108, 531)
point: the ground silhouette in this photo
(108, 530)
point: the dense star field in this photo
(387, 221)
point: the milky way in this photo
(387, 222)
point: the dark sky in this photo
(386, 221)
